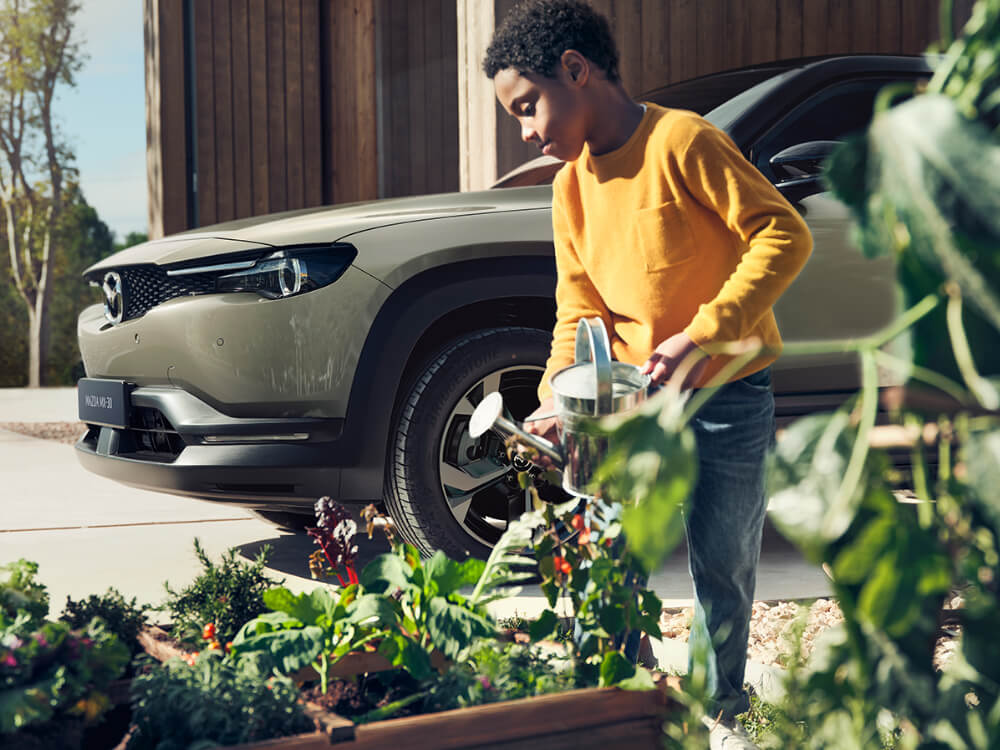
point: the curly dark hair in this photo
(535, 33)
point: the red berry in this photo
(208, 632)
(577, 521)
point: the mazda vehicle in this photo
(340, 351)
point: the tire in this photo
(443, 489)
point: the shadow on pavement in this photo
(290, 552)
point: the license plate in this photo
(103, 402)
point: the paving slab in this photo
(42, 486)
(38, 404)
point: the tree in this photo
(38, 53)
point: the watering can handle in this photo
(592, 345)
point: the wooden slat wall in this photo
(166, 171)
(281, 105)
(299, 103)
(418, 106)
(664, 41)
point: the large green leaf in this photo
(652, 467)
(307, 608)
(453, 628)
(806, 471)
(981, 455)
(289, 650)
(372, 609)
(386, 572)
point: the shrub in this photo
(211, 701)
(227, 594)
(20, 593)
(123, 618)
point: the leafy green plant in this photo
(49, 671)
(581, 555)
(226, 594)
(315, 629)
(212, 701)
(420, 604)
(123, 617)
(20, 593)
(493, 672)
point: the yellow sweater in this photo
(673, 231)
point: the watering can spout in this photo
(489, 416)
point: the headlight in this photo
(281, 274)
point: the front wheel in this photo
(444, 489)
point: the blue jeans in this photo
(724, 523)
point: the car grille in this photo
(145, 287)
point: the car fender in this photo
(390, 346)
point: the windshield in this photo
(726, 114)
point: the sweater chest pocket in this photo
(663, 236)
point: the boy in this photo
(666, 232)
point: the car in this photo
(340, 351)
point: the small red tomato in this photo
(584, 539)
(191, 658)
(208, 632)
(565, 567)
(228, 647)
(577, 521)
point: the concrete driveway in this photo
(88, 533)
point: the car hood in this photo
(320, 225)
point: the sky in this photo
(104, 117)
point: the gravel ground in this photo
(63, 432)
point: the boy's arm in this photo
(576, 298)
(778, 240)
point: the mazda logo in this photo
(114, 297)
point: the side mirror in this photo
(802, 159)
(798, 168)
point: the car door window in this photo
(830, 115)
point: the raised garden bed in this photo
(575, 719)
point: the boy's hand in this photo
(668, 356)
(546, 428)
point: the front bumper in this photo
(178, 444)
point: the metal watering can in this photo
(594, 386)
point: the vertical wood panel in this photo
(449, 75)
(889, 25)
(222, 54)
(839, 37)
(259, 109)
(417, 74)
(277, 184)
(205, 122)
(864, 19)
(312, 96)
(242, 113)
(815, 22)
(293, 103)
(683, 42)
(166, 115)
(761, 25)
(913, 24)
(365, 177)
(712, 28)
(654, 42)
(398, 79)
(628, 26)
(789, 29)
(431, 32)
